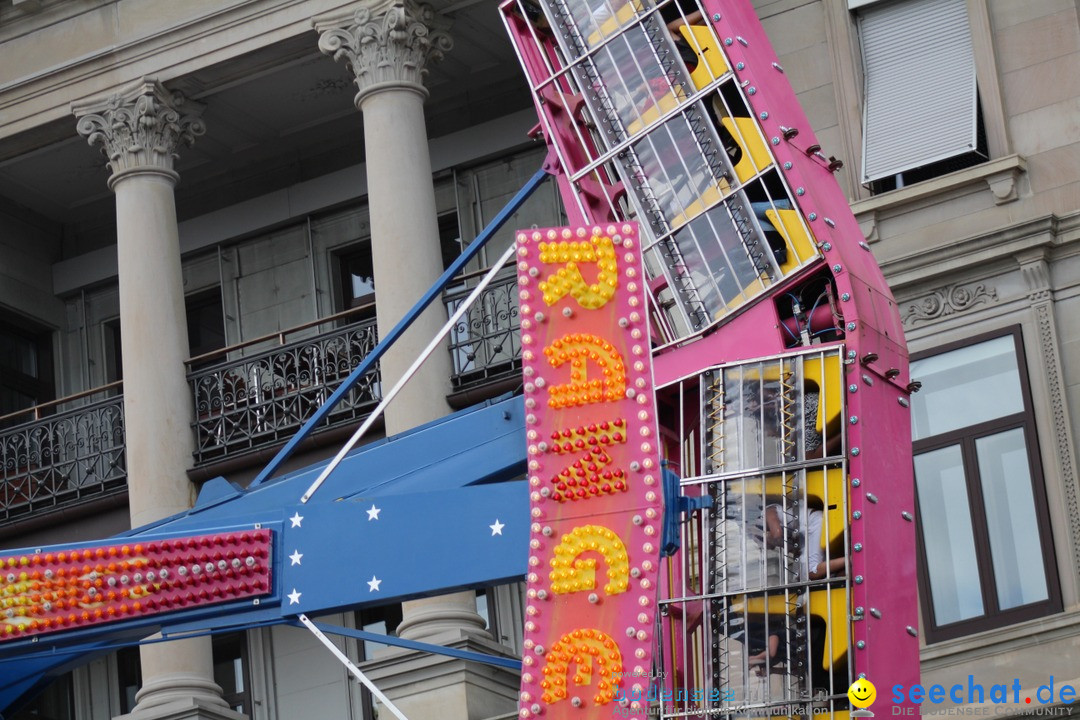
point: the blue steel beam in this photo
(438, 490)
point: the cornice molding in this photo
(945, 260)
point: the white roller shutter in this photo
(920, 99)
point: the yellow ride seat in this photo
(755, 155)
(826, 372)
(801, 246)
(711, 64)
(827, 488)
(830, 604)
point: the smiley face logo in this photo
(862, 693)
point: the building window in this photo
(231, 671)
(25, 367)
(987, 558)
(921, 115)
(205, 322)
(128, 677)
(484, 190)
(382, 620)
(57, 702)
(356, 277)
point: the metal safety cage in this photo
(639, 102)
(756, 609)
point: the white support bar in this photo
(352, 667)
(462, 309)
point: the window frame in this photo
(886, 94)
(993, 617)
(846, 62)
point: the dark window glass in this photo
(114, 355)
(357, 277)
(128, 677)
(383, 620)
(449, 238)
(205, 322)
(57, 702)
(231, 671)
(25, 366)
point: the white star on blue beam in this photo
(294, 597)
(373, 512)
(497, 528)
(373, 584)
(295, 557)
(296, 520)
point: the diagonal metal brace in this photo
(352, 667)
(510, 663)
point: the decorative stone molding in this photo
(949, 300)
(139, 128)
(1035, 269)
(386, 43)
(868, 225)
(1036, 273)
(1001, 176)
(1004, 184)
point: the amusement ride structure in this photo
(707, 480)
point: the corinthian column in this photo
(387, 44)
(140, 129)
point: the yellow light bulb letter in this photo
(568, 280)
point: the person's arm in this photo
(774, 529)
(694, 18)
(816, 564)
(824, 570)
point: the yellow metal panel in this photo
(755, 156)
(831, 606)
(800, 245)
(711, 64)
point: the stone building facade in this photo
(178, 296)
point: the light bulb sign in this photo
(593, 472)
(74, 588)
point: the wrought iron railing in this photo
(56, 460)
(260, 399)
(485, 345)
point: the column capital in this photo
(386, 43)
(140, 128)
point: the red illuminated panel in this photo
(77, 588)
(594, 472)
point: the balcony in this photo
(247, 398)
(485, 345)
(62, 453)
(250, 401)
